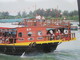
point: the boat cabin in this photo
(33, 30)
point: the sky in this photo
(14, 6)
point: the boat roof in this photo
(5, 28)
(7, 25)
(31, 23)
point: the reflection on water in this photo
(65, 51)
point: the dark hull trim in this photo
(18, 50)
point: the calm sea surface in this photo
(65, 51)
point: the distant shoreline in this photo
(73, 20)
(9, 19)
(4, 20)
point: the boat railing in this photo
(61, 37)
(7, 40)
(72, 35)
(34, 22)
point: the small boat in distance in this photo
(74, 28)
(42, 35)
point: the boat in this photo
(35, 35)
(75, 28)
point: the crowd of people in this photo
(7, 35)
(57, 34)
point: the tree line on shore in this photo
(48, 13)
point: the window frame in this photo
(20, 35)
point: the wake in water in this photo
(33, 54)
(22, 55)
(56, 55)
(2, 54)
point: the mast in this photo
(78, 1)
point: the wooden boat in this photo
(41, 35)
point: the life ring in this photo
(65, 31)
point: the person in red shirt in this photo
(57, 34)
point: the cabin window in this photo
(29, 34)
(30, 38)
(39, 33)
(39, 38)
(20, 34)
(21, 39)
